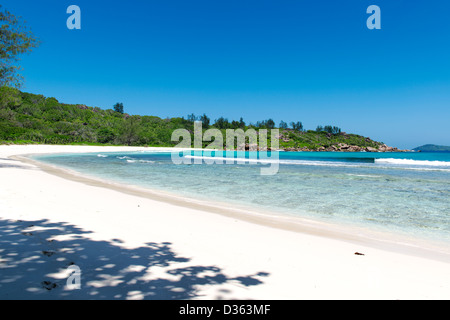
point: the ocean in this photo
(401, 193)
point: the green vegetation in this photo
(31, 118)
(316, 140)
(432, 148)
(15, 40)
(26, 118)
(118, 107)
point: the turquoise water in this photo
(407, 193)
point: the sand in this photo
(130, 244)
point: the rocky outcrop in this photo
(370, 149)
(354, 149)
(283, 136)
(342, 147)
(385, 148)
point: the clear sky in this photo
(313, 61)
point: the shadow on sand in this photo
(12, 163)
(35, 255)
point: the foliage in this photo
(329, 129)
(15, 39)
(118, 107)
(313, 140)
(297, 126)
(205, 121)
(222, 123)
(34, 118)
(30, 118)
(265, 124)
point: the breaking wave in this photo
(413, 162)
(389, 163)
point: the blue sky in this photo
(310, 61)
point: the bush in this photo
(105, 135)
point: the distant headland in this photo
(432, 148)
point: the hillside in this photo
(28, 118)
(31, 118)
(432, 148)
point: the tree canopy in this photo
(118, 107)
(15, 39)
(298, 126)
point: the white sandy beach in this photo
(129, 246)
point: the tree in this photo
(130, 131)
(283, 125)
(241, 123)
(235, 124)
(118, 107)
(205, 121)
(192, 118)
(270, 124)
(105, 135)
(222, 123)
(15, 40)
(298, 126)
(329, 129)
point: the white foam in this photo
(268, 161)
(433, 165)
(414, 162)
(364, 175)
(140, 161)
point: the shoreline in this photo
(338, 231)
(197, 219)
